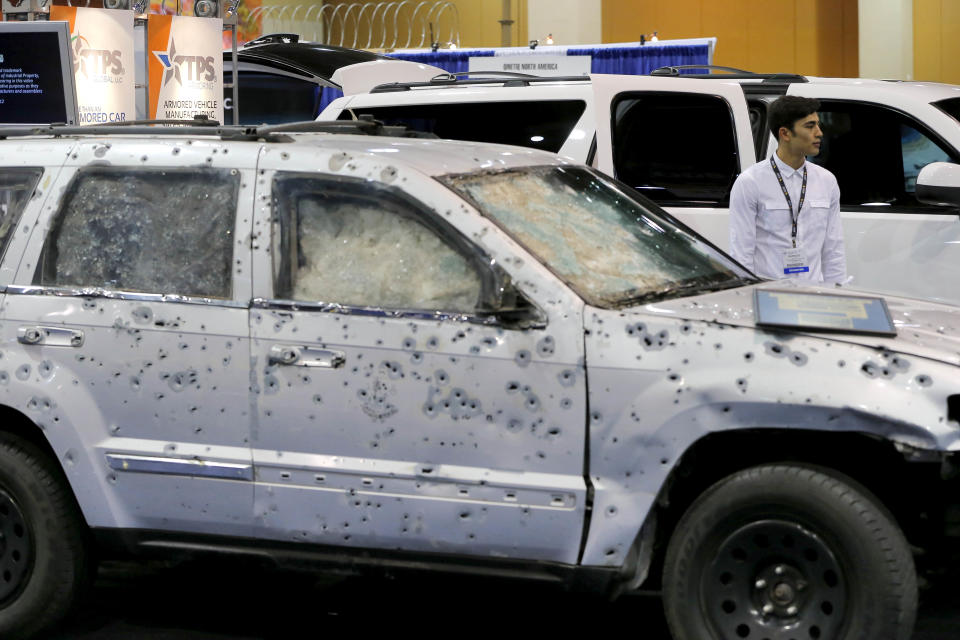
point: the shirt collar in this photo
(786, 170)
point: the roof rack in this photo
(729, 73)
(505, 78)
(366, 125)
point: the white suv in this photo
(401, 352)
(683, 140)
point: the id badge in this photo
(794, 262)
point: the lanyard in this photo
(786, 194)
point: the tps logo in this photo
(185, 69)
(97, 62)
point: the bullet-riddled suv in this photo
(399, 352)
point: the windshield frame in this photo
(741, 276)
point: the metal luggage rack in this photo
(202, 126)
(728, 73)
(503, 78)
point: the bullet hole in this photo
(775, 349)
(112, 478)
(532, 403)
(553, 431)
(183, 346)
(718, 346)
(566, 403)
(522, 358)
(23, 372)
(394, 370)
(514, 425)
(271, 385)
(170, 448)
(610, 553)
(567, 378)
(748, 356)
(546, 347)
(432, 342)
(4, 377)
(798, 358)
(464, 515)
(841, 363)
(441, 377)
(416, 358)
(89, 304)
(742, 384)
(337, 161)
(388, 175)
(611, 511)
(513, 386)
(409, 344)
(596, 417)
(650, 341)
(873, 370)
(685, 328)
(924, 380)
(489, 342)
(317, 399)
(135, 383)
(899, 364)
(45, 369)
(673, 377)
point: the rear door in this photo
(894, 243)
(679, 141)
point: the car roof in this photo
(926, 91)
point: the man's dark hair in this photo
(785, 111)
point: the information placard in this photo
(185, 67)
(103, 64)
(535, 65)
(36, 74)
(823, 312)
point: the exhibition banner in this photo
(103, 64)
(185, 66)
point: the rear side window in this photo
(542, 124)
(675, 148)
(260, 98)
(147, 230)
(16, 187)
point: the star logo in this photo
(167, 59)
(79, 43)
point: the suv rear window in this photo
(950, 106)
(539, 124)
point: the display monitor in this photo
(37, 84)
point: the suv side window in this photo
(876, 153)
(16, 188)
(146, 230)
(542, 124)
(355, 243)
(659, 147)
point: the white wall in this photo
(886, 39)
(570, 21)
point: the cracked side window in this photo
(360, 244)
(147, 230)
(16, 187)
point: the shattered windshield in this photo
(600, 239)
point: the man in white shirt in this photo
(785, 211)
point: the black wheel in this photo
(43, 560)
(788, 552)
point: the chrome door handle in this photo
(50, 336)
(299, 356)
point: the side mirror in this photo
(939, 183)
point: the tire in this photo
(43, 559)
(788, 551)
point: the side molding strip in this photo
(180, 466)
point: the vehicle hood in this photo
(924, 329)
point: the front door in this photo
(389, 415)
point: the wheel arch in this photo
(905, 480)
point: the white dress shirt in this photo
(761, 222)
